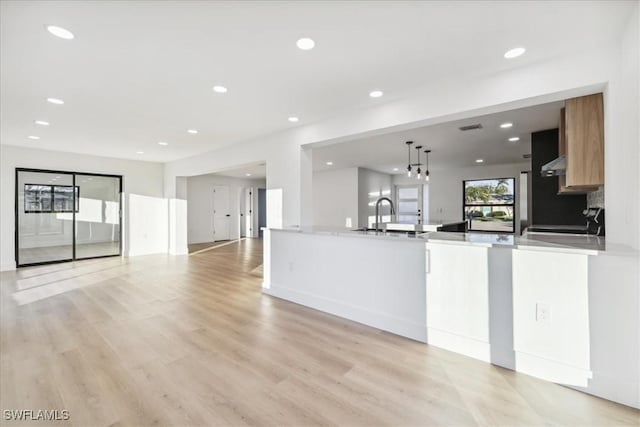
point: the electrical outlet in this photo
(543, 312)
(290, 266)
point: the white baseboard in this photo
(551, 370)
(459, 344)
(624, 390)
(383, 321)
(9, 266)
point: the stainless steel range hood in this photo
(555, 167)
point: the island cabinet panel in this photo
(375, 281)
(551, 316)
(458, 298)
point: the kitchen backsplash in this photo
(595, 199)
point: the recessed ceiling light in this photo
(506, 125)
(33, 137)
(163, 143)
(395, 169)
(139, 152)
(90, 179)
(376, 93)
(329, 163)
(293, 119)
(58, 177)
(514, 53)
(41, 123)
(63, 33)
(514, 139)
(220, 89)
(192, 131)
(55, 101)
(305, 43)
(479, 160)
(247, 174)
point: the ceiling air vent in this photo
(470, 127)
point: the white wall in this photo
(622, 139)
(199, 193)
(146, 228)
(445, 188)
(614, 293)
(139, 178)
(335, 197)
(346, 193)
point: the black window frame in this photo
(480, 205)
(52, 208)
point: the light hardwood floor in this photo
(195, 247)
(190, 340)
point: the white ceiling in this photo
(451, 148)
(255, 171)
(142, 72)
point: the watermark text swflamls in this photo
(36, 414)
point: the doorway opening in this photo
(224, 206)
(65, 216)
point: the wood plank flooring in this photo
(195, 247)
(191, 341)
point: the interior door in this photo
(221, 215)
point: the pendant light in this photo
(409, 152)
(426, 173)
(419, 176)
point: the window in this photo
(489, 204)
(40, 198)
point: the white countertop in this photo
(588, 245)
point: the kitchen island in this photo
(371, 277)
(518, 302)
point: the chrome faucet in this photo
(378, 217)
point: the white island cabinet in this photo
(377, 280)
(468, 300)
(551, 315)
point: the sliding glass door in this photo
(98, 219)
(62, 216)
(44, 205)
